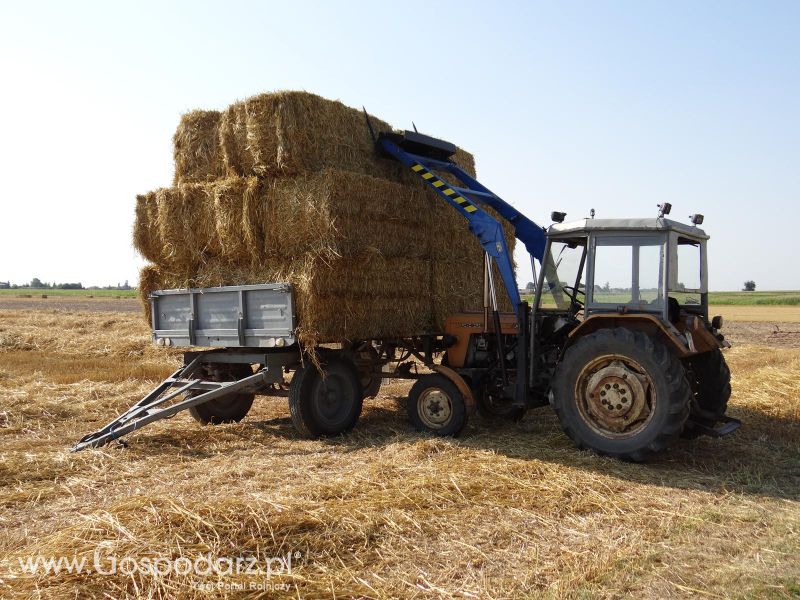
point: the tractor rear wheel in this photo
(228, 409)
(712, 387)
(621, 393)
(325, 405)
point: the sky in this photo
(616, 106)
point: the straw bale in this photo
(150, 279)
(146, 237)
(345, 214)
(340, 238)
(345, 299)
(238, 214)
(196, 148)
(360, 276)
(332, 213)
(457, 286)
(287, 187)
(186, 224)
(458, 258)
(289, 133)
(284, 134)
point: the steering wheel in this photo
(572, 293)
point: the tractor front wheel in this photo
(621, 393)
(436, 405)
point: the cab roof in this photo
(583, 226)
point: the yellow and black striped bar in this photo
(442, 187)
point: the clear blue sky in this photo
(616, 106)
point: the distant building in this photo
(5, 285)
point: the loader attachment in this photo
(420, 144)
(430, 159)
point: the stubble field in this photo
(506, 511)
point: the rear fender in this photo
(677, 342)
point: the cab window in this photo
(628, 270)
(562, 269)
(686, 286)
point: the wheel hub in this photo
(435, 408)
(332, 399)
(615, 396)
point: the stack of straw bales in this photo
(287, 187)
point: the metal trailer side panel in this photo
(252, 316)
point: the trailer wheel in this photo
(325, 406)
(371, 384)
(228, 409)
(366, 357)
(621, 393)
(371, 379)
(437, 406)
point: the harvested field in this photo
(773, 326)
(506, 511)
(71, 303)
(772, 334)
(760, 313)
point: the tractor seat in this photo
(673, 310)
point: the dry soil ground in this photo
(506, 511)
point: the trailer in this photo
(249, 331)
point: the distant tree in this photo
(749, 286)
(36, 283)
(530, 287)
(69, 286)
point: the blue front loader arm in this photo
(467, 201)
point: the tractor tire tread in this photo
(678, 388)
